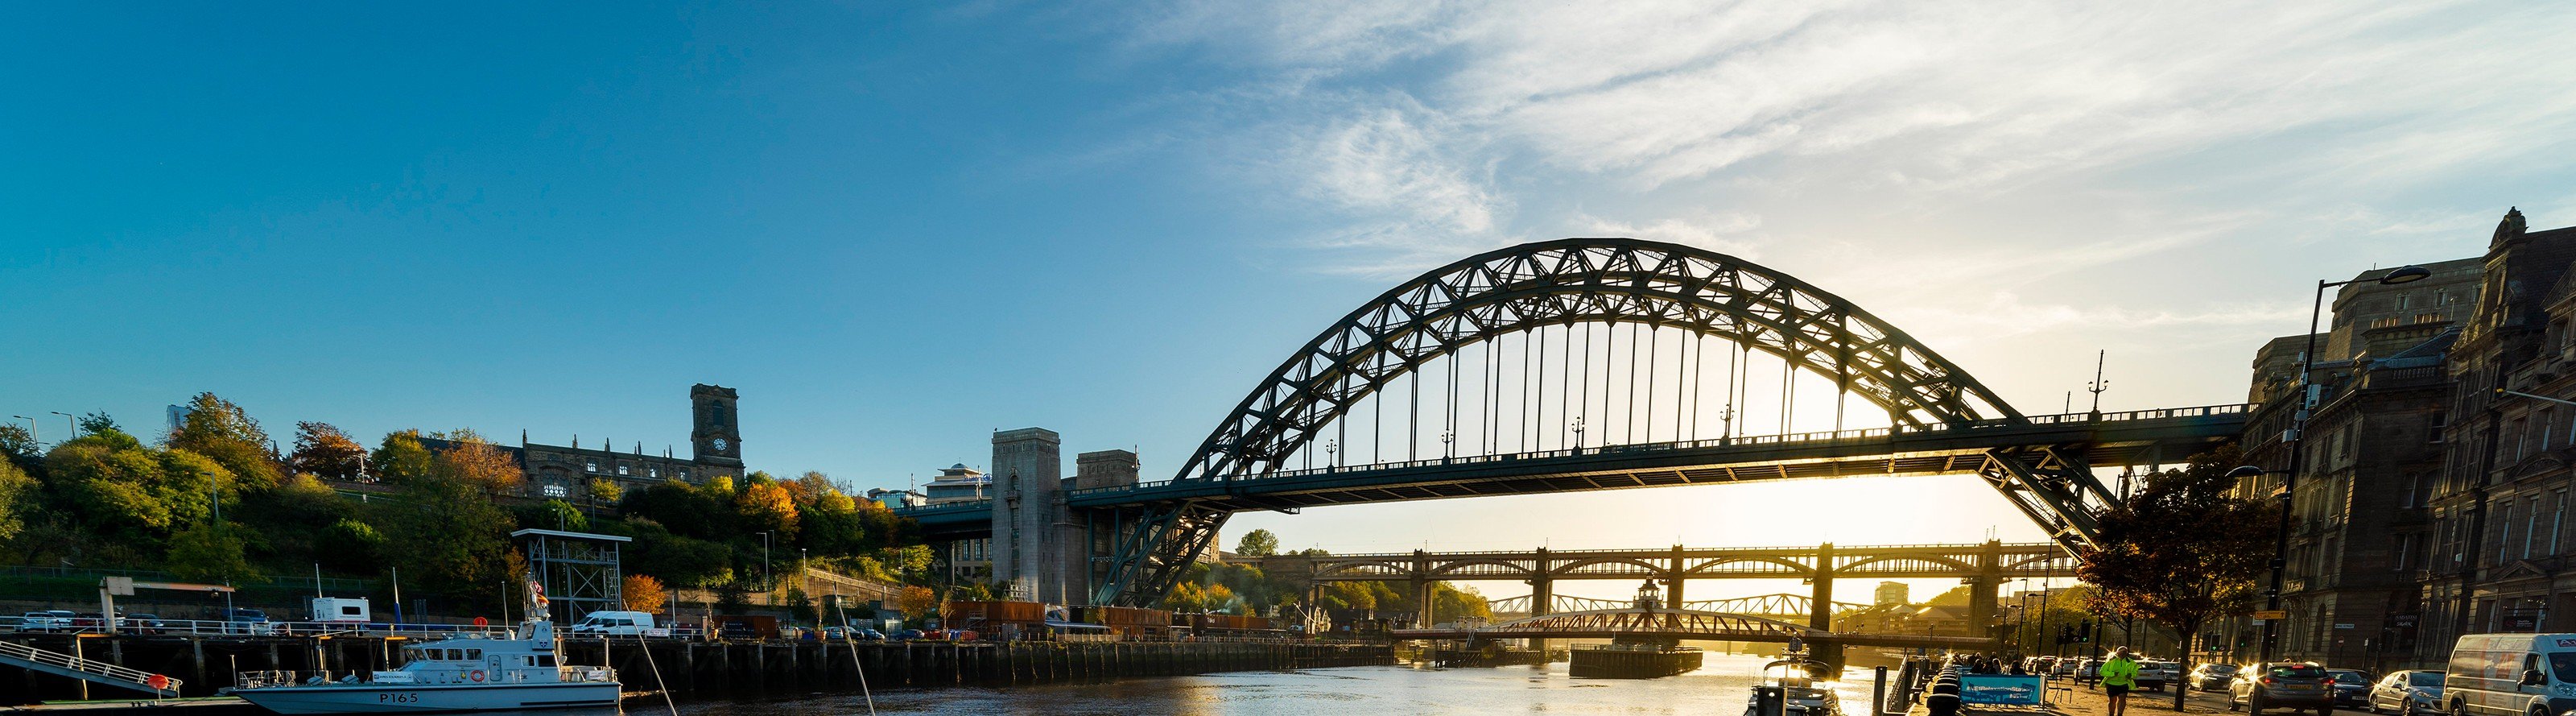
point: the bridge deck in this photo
(2109, 439)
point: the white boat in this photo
(1795, 691)
(516, 670)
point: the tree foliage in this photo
(2183, 550)
(210, 552)
(917, 601)
(400, 458)
(18, 444)
(323, 451)
(1257, 543)
(223, 432)
(642, 593)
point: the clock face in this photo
(721, 444)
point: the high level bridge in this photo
(1595, 364)
(1984, 566)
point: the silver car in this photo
(2407, 693)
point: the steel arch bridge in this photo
(1677, 624)
(1776, 607)
(1542, 421)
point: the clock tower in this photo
(714, 433)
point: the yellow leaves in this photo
(642, 593)
(766, 505)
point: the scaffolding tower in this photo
(580, 571)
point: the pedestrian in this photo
(2119, 674)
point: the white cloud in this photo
(1438, 124)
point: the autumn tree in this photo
(766, 507)
(223, 432)
(642, 593)
(323, 451)
(473, 461)
(917, 601)
(2183, 550)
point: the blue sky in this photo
(896, 228)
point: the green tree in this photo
(223, 432)
(18, 444)
(355, 546)
(210, 552)
(325, 452)
(131, 494)
(17, 501)
(2184, 550)
(452, 536)
(99, 422)
(1257, 543)
(400, 458)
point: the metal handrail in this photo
(88, 666)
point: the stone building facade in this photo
(1042, 550)
(2430, 505)
(565, 471)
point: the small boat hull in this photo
(395, 698)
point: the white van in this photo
(619, 624)
(2511, 675)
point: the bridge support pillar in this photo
(1542, 594)
(1423, 589)
(1673, 579)
(1981, 589)
(1828, 651)
(1820, 605)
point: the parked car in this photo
(2064, 667)
(907, 635)
(2153, 675)
(866, 634)
(2351, 687)
(2291, 685)
(2090, 671)
(245, 620)
(50, 620)
(2212, 677)
(2407, 693)
(142, 623)
(13, 623)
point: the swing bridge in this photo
(1597, 364)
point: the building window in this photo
(2405, 545)
(621, 468)
(684, 473)
(653, 471)
(2557, 521)
(2548, 418)
(2531, 528)
(2504, 541)
(591, 466)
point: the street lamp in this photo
(2307, 394)
(69, 423)
(31, 428)
(768, 581)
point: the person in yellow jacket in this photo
(2119, 674)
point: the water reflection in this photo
(1718, 687)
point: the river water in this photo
(1719, 687)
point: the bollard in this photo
(1878, 691)
(1940, 704)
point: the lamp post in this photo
(2307, 394)
(69, 423)
(31, 428)
(768, 581)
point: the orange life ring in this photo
(476, 675)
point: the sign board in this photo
(2001, 689)
(119, 586)
(2271, 614)
(2343, 626)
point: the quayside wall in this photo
(206, 663)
